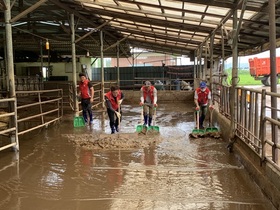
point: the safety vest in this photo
(113, 100)
(202, 96)
(84, 89)
(148, 92)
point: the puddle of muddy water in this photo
(53, 171)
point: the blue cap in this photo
(203, 85)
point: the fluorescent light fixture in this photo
(49, 23)
(19, 24)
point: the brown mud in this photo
(87, 168)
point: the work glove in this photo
(141, 104)
(155, 105)
(120, 101)
(118, 114)
(197, 108)
(211, 107)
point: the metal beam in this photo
(117, 43)
(63, 6)
(223, 21)
(158, 35)
(81, 16)
(236, 32)
(154, 21)
(153, 13)
(27, 11)
(3, 5)
(96, 29)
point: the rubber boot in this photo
(90, 119)
(113, 130)
(145, 120)
(201, 120)
(150, 121)
(117, 125)
(85, 116)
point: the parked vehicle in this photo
(260, 69)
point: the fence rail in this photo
(159, 83)
(46, 106)
(254, 122)
(34, 108)
(8, 119)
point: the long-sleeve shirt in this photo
(109, 104)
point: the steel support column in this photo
(74, 65)
(195, 64)
(118, 64)
(9, 50)
(102, 69)
(234, 73)
(200, 63)
(211, 64)
(205, 61)
(223, 52)
(10, 71)
(273, 75)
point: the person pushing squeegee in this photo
(148, 100)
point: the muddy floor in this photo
(85, 168)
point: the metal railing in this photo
(97, 100)
(66, 86)
(8, 122)
(270, 130)
(32, 110)
(159, 83)
(69, 100)
(38, 109)
(28, 83)
(254, 124)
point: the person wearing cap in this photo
(148, 100)
(113, 100)
(86, 93)
(202, 97)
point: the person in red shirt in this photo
(202, 97)
(148, 99)
(86, 93)
(113, 100)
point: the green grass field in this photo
(244, 78)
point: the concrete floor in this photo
(52, 171)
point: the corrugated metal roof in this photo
(165, 26)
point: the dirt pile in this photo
(215, 135)
(115, 141)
